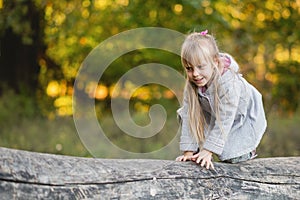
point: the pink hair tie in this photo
(204, 32)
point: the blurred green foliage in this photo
(261, 35)
(282, 136)
(24, 129)
(286, 88)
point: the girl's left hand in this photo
(205, 157)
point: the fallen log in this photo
(30, 175)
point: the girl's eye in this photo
(200, 66)
(189, 68)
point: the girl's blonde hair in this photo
(196, 49)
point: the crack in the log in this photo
(240, 179)
(30, 182)
(142, 179)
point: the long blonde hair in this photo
(196, 48)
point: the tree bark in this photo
(30, 175)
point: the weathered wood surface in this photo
(29, 175)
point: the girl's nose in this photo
(196, 72)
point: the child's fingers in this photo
(179, 158)
(186, 158)
(212, 165)
(207, 164)
(203, 163)
(195, 156)
(183, 158)
(199, 159)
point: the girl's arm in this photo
(217, 134)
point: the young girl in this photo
(221, 112)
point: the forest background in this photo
(44, 42)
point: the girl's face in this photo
(200, 75)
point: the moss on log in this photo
(30, 175)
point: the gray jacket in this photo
(242, 117)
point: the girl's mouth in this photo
(199, 80)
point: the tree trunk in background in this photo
(19, 65)
(18, 61)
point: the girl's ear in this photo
(216, 60)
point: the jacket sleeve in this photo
(228, 107)
(187, 142)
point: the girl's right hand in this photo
(185, 157)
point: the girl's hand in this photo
(187, 155)
(205, 157)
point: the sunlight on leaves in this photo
(101, 4)
(101, 92)
(64, 105)
(53, 89)
(178, 8)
